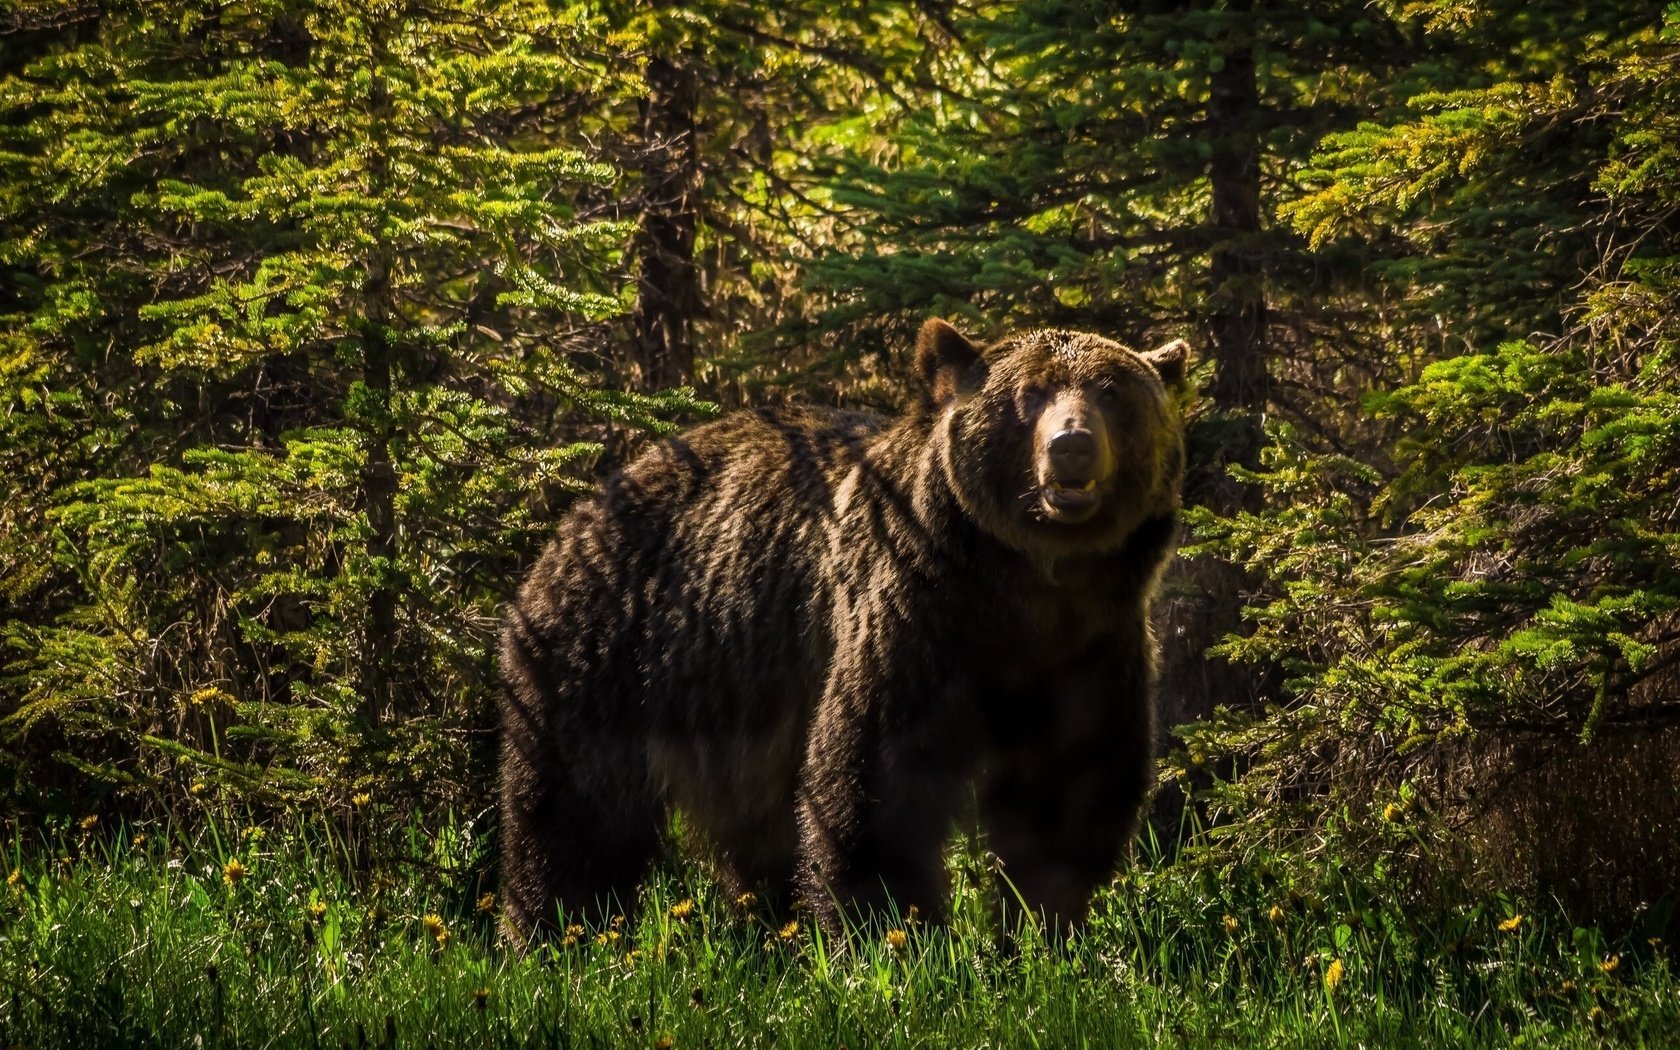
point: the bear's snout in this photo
(1075, 457)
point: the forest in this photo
(316, 316)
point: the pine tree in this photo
(316, 288)
(1484, 620)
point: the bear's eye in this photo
(1032, 399)
(1108, 395)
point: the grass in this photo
(321, 935)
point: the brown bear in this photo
(826, 636)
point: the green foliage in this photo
(1503, 582)
(308, 299)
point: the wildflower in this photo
(682, 909)
(198, 789)
(481, 997)
(1596, 1015)
(897, 939)
(15, 879)
(254, 834)
(1276, 915)
(604, 939)
(914, 916)
(138, 841)
(1333, 975)
(1392, 813)
(617, 922)
(746, 900)
(1231, 925)
(435, 928)
(361, 800)
(89, 822)
(574, 930)
(1568, 988)
(233, 871)
(318, 910)
(1611, 963)
(1511, 925)
(487, 903)
(665, 1042)
(790, 931)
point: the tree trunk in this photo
(667, 293)
(1202, 598)
(379, 478)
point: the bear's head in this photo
(1056, 442)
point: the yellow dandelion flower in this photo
(682, 909)
(487, 903)
(568, 941)
(481, 997)
(746, 900)
(1276, 915)
(897, 939)
(435, 928)
(574, 930)
(633, 956)
(318, 910)
(1611, 963)
(1392, 813)
(1511, 925)
(1596, 1015)
(914, 916)
(15, 878)
(233, 871)
(89, 822)
(1231, 925)
(617, 922)
(1333, 975)
(138, 841)
(361, 800)
(790, 931)
(610, 937)
(1568, 988)
(198, 789)
(665, 1042)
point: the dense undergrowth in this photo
(317, 934)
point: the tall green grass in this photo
(319, 934)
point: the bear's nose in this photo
(1073, 453)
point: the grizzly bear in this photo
(825, 637)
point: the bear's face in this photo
(1056, 442)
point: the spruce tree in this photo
(312, 291)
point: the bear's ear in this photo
(1170, 361)
(942, 355)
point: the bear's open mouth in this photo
(1068, 501)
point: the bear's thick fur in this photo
(822, 635)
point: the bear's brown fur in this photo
(820, 634)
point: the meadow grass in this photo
(319, 935)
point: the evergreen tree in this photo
(1484, 624)
(310, 291)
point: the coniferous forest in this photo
(316, 316)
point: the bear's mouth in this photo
(1069, 501)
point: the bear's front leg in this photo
(1066, 785)
(886, 770)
